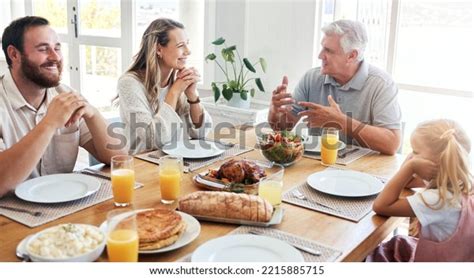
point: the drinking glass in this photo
(123, 179)
(270, 188)
(329, 145)
(122, 235)
(170, 173)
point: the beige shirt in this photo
(146, 130)
(17, 118)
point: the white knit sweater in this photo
(146, 130)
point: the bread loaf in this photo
(226, 205)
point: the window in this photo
(99, 37)
(425, 45)
(93, 42)
(5, 18)
(188, 12)
(434, 44)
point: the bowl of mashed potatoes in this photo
(67, 243)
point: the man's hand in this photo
(281, 100)
(87, 112)
(63, 107)
(320, 115)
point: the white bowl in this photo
(89, 256)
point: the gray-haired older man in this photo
(345, 92)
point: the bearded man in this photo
(42, 122)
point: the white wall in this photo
(281, 31)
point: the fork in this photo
(296, 245)
(301, 196)
(33, 213)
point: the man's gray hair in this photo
(353, 35)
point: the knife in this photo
(344, 154)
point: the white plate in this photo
(345, 183)
(57, 188)
(193, 149)
(246, 248)
(193, 229)
(313, 144)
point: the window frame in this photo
(125, 42)
(391, 51)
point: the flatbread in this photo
(164, 242)
(157, 224)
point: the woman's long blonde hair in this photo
(146, 65)
(450, 143)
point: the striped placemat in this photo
(50, 212)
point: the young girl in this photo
(445, 208)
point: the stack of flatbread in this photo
(159, 228)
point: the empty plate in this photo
(246, 248)
(193, 149)
(57, 188)
(345, 183)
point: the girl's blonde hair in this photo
(146, 65)
(450, 143)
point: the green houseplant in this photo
(236, 73)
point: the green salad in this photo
(282, 147)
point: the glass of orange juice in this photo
(171, 170)
(329, 145)
(123, 179)
(122, 236)
(271, 187)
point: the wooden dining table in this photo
(355, 239)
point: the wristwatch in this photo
(194, 102)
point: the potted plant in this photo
(237, 86)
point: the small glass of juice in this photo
(123, 179)
(271, 187)
(122, 236)
(329, 146)
(170, 173)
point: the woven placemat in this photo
(50, 212)
(349, 158)
(328, 254)
(353, 209)
(193, 164)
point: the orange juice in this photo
(122, 246)
(329, 146)
(170, 182)
(123, 181)
(271, 191)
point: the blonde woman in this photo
(445, 208)
(158, 99)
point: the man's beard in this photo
(33, 72)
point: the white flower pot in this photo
(237, 101)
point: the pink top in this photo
(459, 247)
